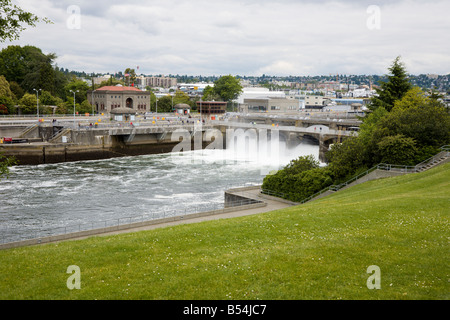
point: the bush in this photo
(398, 150)
(300, 179)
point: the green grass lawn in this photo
(319, 250)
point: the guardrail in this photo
(16, 235)
(382, 166)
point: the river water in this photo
(49, 199)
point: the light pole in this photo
(37, 101)
(74, 106)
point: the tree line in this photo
(405, 126)
(27, 74)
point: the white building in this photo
(254, 93)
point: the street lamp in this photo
(74, 106)
(37, 101)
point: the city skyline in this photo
(247, 37)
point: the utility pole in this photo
(37, 101)
(74, 107)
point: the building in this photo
(182, 108)
(212, 108)
(159, 82)
(106, 99)
(99, 80)
(270, 105)
(258, 92)
(316, 102)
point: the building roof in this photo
(118, 88)
(123, 111)
(182, 105)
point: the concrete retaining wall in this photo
(100, 231)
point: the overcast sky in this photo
(243, 37)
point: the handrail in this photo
(11, 235)
(380, 166)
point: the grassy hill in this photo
(319, 250)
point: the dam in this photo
(66, 141)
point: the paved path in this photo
(272, 204)
(266, 204)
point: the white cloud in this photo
(245, 37)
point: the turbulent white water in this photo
(69, 194)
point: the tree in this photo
(209, 94)
(228, 88)
(182, 97)
(5, 163)
(5, 90)
(393, 89)
(28, 103)
(130, 76)
(398, 149)
(77, 85)
(165, 104)
(298, 180)
(110, 82)
(31, 69)
(13, 19)
(16, 90)
(419, 117)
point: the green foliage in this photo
(130, 76)
(31, 69)
(7, 105)
(5, 163)
(28, 103)
(346, 158)
(165, 104)
(79, 87)
(84, 107)
(182, 97)
(393, 89)
(13, 19)
(209, 94)
(16, 90)
(405, 127)
(398, 149)
(5, 90)
(227, 88)
(317, 251)
(110, 82)
(300, 179)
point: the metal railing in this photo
(9, 235)
(445, 153)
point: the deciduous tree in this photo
(13, 20)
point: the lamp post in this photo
(37, 101)
(74, 106)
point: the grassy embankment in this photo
(320, 250)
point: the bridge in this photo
(293, 135)
(304, 121)
(69, 142)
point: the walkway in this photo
(272, 204)
(266, 204)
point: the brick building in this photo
(108, 98)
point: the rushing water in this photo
(52, 197)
